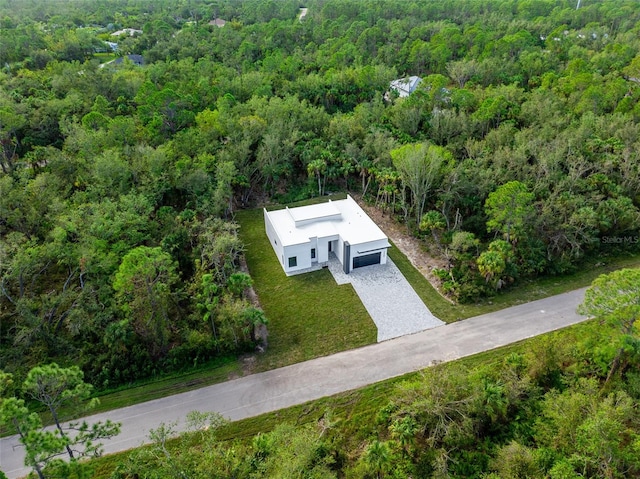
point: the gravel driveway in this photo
(388, 297)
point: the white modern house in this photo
(405, 86)
(304, 237)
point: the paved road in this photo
(296, 384)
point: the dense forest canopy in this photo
(516, 156)
(132, 130)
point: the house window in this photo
(293, 261)
(313, 253)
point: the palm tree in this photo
(378, 458)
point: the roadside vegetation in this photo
(542, 408)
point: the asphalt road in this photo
(302, 382)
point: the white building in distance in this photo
(304, 237)
(405, 86)
(127, 31)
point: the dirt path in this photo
(409, 245)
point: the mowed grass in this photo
(309, 314)
(523, 292)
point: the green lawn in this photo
(523, 292)
(309, 314)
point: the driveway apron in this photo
(392, 303)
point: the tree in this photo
(491, 265)
(226, 173)
(14, 413)
(54, 387)
(615, 298)
(40, 446)
(238, 283)
(378, 458)
(420, 166)
(510, 210)
(207, 303)
(594, 431)
(145, 288)
(404, 431)
(462, 71)
(318, 168)
(435, 222)
(515, 461)
(494, 263)
(220, 248)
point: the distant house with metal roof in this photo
(218, 22)
(405, 86)
(126, 31)
(304, 237)
(133, 58)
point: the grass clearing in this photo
(311, 316)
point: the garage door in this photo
(366, 260)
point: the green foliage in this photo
(510, 209)
(421, 167)
(54, 388)
(99, 161)
(615, 298)
(144, 286)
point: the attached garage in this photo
(305, 237)
(367, 260)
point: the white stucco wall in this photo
(296, 231)
(302, 252)
(323, 248)
(276, 243)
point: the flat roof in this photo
(313, 212)
(342, 218)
